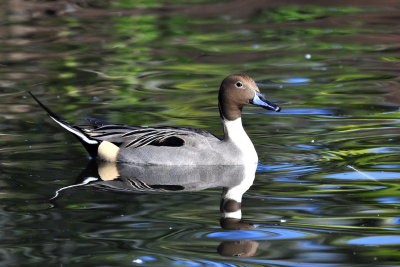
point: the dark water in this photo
(326, 191)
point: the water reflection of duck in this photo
(122, 177)
(178, 145)
(234, 180)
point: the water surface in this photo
(325, 192)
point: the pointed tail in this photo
(89, 143)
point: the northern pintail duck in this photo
(177, 145)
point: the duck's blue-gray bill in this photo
(260, 100)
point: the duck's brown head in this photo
(238, 90)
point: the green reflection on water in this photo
(302, 13)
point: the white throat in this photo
(234, 132)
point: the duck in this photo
(163, 145)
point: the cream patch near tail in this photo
(108, 171)
(108, 151)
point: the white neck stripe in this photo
(234, 132)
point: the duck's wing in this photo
(134, 136)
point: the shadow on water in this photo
(129, 178)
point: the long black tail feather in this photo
(89, 143)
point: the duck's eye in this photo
(239, 84)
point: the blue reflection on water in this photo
(186, 263)
(364, 175)
(389, 200)
(386, 166)
(376, 240)
(297, 80)
(200, 263)
(259, 234)
(303, 111)
(289, 81)
(384, 150)
(308, 111)
(285, 167)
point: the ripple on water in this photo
(388, 200)
(386, 166)
(385, 150)
(308, 111)
(292, 168)
(303, 111)
(380, 240)
(30, 207)
(365, 175)
(261, 234)
(132, 230)
(337, 83)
